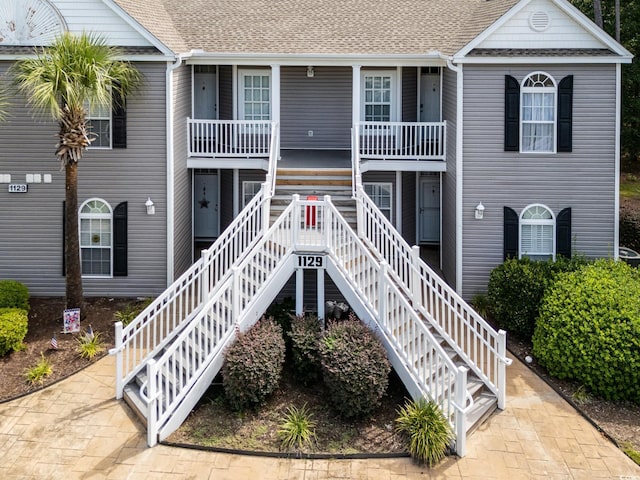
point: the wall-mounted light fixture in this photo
(479, 211)
(310, 71)
(151, 208)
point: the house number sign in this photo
(311, 261)
(18, 188)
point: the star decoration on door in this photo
(204, 203)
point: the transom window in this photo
(96, 238)
(381, 195)
(538, 124)
(377, 96)
(99, 123)
(255, 95)
(537, 233)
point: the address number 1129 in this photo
(311, 261)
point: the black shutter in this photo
(563, 233)
(64, 231)
(565, 114)
(511, 114)
(511, 233)
(120, 240)
(119, 119)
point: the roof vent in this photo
(539, 21)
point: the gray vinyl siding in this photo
(183, 236)
(31, 235)
(225, 93)
(321, 103)
(583, 179)
(449, 113)
(409, 200)
(409, 94)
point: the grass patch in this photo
(630, 186)
(631, 452)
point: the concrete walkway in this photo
(75, 429)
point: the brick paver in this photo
(76, 429)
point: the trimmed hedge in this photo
(14, 294)
(355, 368)
(253, 365)
(589, 329)
(13, 329)
(516, 289)
(305, 337)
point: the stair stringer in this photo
(368, 316)
(252, 314)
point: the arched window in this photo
(538, 116)
(96, 239)
(537, 233)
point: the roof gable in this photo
(544, 25)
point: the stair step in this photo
(131, 396)
(483, 407)
(335, 172)
(311, 181)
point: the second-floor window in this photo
(538, 113)
(255, 95)
(99, 123)
(378, 92)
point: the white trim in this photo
(547, 60)
(236, 192)
(274, 93)
(356, 94)
(563, 5)
(170, 170)
(616, 201)
(398, 94)
(399, 201)
(234, 89)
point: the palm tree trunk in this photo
(74, 294)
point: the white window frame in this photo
(551, 222)
(385, 185)
(250, 184)
(242, 75)
(96, 216)
(91, 117)
(393, 102)
(526, 90)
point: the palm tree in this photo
(62, 80)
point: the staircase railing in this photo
(183, 362)
(481, 347)
(430, 368)
(155, 326)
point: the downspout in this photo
(170, 169)
(459, 157)
(616, 202)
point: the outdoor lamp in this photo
(479, 211)
(151, 208)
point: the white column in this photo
(398, 222)
(356, 94)
(236, 192)
(320, 293)
(299, 291)
(275, 93)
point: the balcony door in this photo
(430, 96)
(205, 95)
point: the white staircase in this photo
(438, 345)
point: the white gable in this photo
(96, 16)
(541, 24)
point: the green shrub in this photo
(427, 430)
(13, 329)
(39, 371)
(589, 329)
(129, 313)
(516, 289)
(89, 345)
(297, 428)
(630, 228)
(305, 341)
(281, 314)
(14, 294)
(355, 368)
(253, 365)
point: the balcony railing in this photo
(229, 138)
(402, 140)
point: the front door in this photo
(430, 97)
(205, 96)
(429, 209)
(205, 206)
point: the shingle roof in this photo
(316, 26)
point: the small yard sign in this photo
(71, 320)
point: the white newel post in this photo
(461, 420)
(152, 408)
(415, 276)
(119, 360)
(502, 369)
(327, 215)
(299, 291)
(295, 228)
(320, 273)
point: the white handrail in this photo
(155, 326)
(402, 140)
(478, 343)
(229, 138)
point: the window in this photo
(378, 91)
(95, 238)
(538, 113)
(99, 125)
(381, 195)
(537, 233)
(255, 95)
(249, 190)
